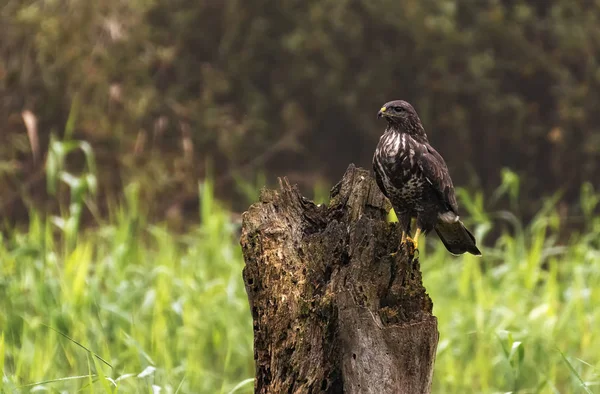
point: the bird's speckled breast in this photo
(398, 169)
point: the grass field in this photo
(130, 307)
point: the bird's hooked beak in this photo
(381, 112)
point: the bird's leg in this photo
(414, 241)
(404, 220)
(402, 242)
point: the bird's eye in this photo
(398, 109)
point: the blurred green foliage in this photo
(133, 307)
(292, 87)
(125, 307)
(167, 92)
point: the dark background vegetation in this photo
(189, 107)
(168, 92)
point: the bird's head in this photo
(401, 116)
(396, 111)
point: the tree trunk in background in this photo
(333, 310)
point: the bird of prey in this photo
(415, 178)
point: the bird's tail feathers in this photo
(456, 238)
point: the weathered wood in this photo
(334, 311)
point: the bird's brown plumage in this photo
(414, 176)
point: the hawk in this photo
(415, 178)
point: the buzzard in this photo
(416, 180)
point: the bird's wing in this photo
(376, 170)
(434, 169)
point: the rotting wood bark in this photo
(333, 310)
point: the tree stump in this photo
(334, 310)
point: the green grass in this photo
(524, 318)
(162, 310)
(128, 307)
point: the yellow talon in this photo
(415, 241)
(407, 239)
(402, 242)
